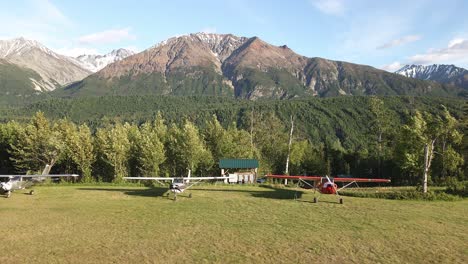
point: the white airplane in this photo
(21, 182)
(178, 184)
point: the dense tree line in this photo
(388, 143)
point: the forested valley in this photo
(108, 138)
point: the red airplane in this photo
(326, 185)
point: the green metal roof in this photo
(238, 163)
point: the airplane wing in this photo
(205, 178)
(39, 175)
(305, 178)
(149, 178)
(359, 180)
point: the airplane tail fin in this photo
(189, 175)
(46, 170)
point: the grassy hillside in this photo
(226, 224)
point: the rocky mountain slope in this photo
(94, 63)
(51, 69)
(449, 74)
(227, 65)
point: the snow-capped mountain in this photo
(250, 68)
(221, 45)
(95, 63)
(52, 70)
(442, 73)
(18, 46)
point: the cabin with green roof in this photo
(239, 170)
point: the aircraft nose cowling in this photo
(4, 186)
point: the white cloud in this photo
(455, 52)
(392, 67)
(108, 36)
(400, 41)
(75, 52)
(330, 7)
(209, 30)
(455, 41)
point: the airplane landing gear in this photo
(315, 200)
(190, 195)
(31, 192)
(341, 200)
(8, 194)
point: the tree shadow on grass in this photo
(149, 192)
(271, 193)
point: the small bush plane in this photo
(178, 184)
(326, 185)
(22, 182)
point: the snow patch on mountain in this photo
(19, 46)
(221, 45)
(431, 72)
(95, 63)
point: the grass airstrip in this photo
(226, 224)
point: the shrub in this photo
(401, 194)
(457, 187)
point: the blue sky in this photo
(383, 34)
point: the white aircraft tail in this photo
(46, 170)
(188, 176)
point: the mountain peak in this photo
(51, 70)
(17, 46)
(443, 73)
(95, 62)
(426, 71)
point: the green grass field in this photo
(226, 224)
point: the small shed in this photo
(239, 170)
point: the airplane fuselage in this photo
(327, 188)
(177, 187)
(13, 184)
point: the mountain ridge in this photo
(55, 70)
(96, 62)
(209, 64)
(241, 67)
(442, 73)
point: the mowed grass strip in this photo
(226, 224)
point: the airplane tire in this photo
(315, 200)
(341, 200)
(175, 198)
(8, 194)
(31, 192)
(190, 195)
